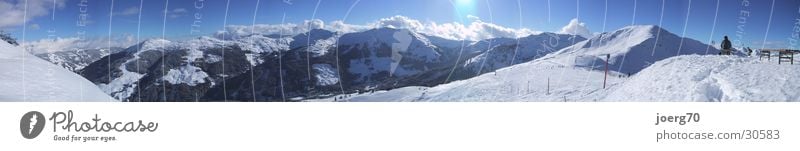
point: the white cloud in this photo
(400, 22)
(177, 12)
(70, 43)
(476, 30)
(51, 45)
(14, 11)
(340, 26)
(575, 27)
(473, 18)
(236, 31)
(313, 24)
(130, 11)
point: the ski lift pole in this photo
(608, 56)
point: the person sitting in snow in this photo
(726, 47)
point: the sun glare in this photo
(463, 2)
(464, 6)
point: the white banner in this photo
(400, 126)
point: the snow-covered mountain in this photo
(500, 52)
(388, 64)
(77, 58)
(184, 70)
(314, 64)
(320, 41)
(385, 52)
(196, 70)
(631, 49)
(321, 63)
(380, 58)
(672, 76)
(26, 77)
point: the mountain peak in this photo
(150, 44)
(640, 27)
(320, 31)
(384, 34)
(630, 49)
(643, 31)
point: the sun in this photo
(464, 6)
(463, 2)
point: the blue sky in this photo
(539, 15)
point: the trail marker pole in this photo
(608, 56)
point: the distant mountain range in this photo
(320, 64)
(315, 64)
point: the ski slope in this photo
(25, 77)
(712, 78)
(686, 78)
(531, 81)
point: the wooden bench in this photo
(764, 53)
(786, 56)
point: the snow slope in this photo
(712, 78)
(531, 81)
(681, 78)
(25, 77)
(501, 52)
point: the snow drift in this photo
(712, 78)
(28, 78)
